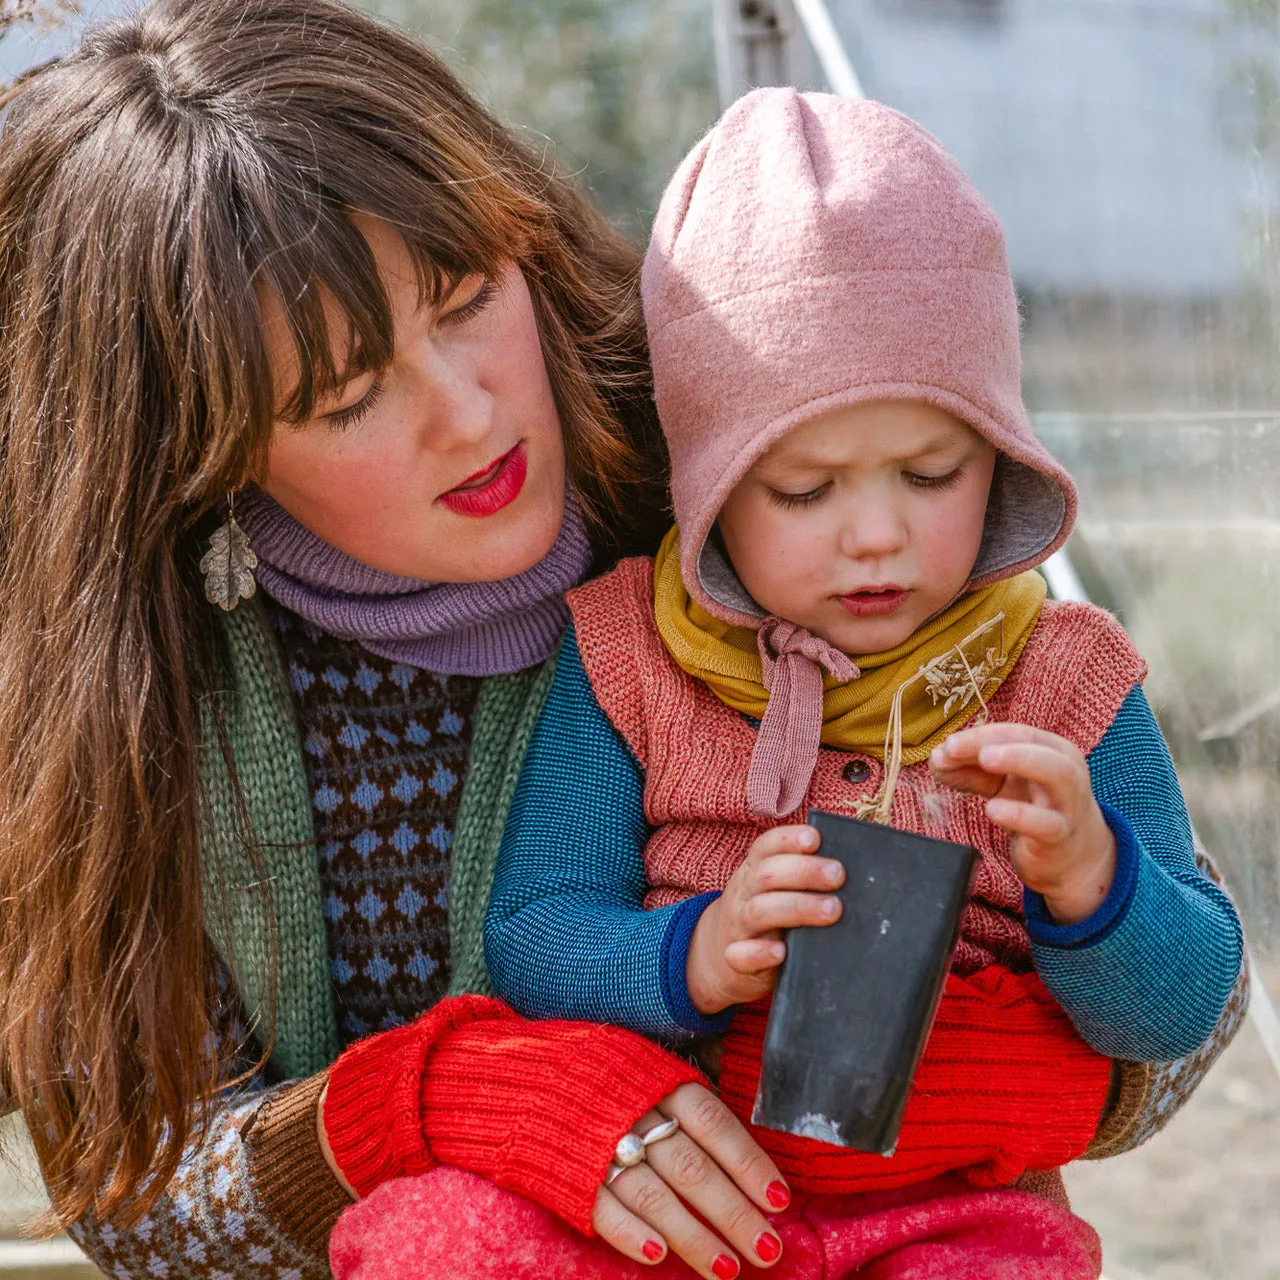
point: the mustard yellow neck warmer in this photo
(896, 705)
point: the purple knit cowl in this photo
(452, 628)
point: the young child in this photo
(845, 618)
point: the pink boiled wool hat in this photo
(813, 253)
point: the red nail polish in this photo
(725, 1267)
(768, 1247)
(652, 1250)
(777, 1195)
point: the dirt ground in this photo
(1201, 1201)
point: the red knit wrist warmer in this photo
(1005, 1085)
(538, 1107)
(372, 1110)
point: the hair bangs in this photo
(318, 268)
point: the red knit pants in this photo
(451, 1225)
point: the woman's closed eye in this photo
(482, 293)
(480, 296)
(782, 498)
(353, 414)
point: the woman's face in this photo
(447, 465)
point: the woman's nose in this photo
(456, 407)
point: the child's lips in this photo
(874, 602)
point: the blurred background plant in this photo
(37, 12)
(620, 88)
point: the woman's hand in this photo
(737, 945)
(1038, 790)
(711, 1167)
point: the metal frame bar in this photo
(832, 56)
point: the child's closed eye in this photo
(945, 481)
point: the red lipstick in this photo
(488, 491)
(875, 602)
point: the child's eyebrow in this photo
(940, 444)
(791, 460)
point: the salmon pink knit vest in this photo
(1004, 1033)
(1074, 673)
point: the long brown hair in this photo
(152, 185)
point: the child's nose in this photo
(874, 529)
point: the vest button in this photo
(856, 771)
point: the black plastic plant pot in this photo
(855, 1000)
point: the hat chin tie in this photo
(792, 661)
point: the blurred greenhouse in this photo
(1132, 149)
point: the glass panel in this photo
(1132, 150)
(1180, 535)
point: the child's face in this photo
(863, 523)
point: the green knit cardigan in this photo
(297, 1018)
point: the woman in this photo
(266, 267)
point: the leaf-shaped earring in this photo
(229, 563)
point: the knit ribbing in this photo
(244, 921)
(1004, 1086)
(472, 1085)
(373, 1110)
(293, 1180)
(1075, 672)
(505, 716)
(264, 902)
(538, 1108)
(452, 628)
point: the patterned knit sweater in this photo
(385, 749)
(256, 1200)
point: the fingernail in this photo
(808, 838)
(652, 1250)
(832, 872)
(768, 1247)
(776, 1194)
(830, 906)
(725, 1267)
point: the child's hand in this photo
(1038, 789)
(737, 946)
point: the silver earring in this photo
(229, 563)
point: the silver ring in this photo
(664, 1130)
(630, 1150)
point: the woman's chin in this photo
(501, 546)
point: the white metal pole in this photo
(830, 49)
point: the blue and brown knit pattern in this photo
(385, 747)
